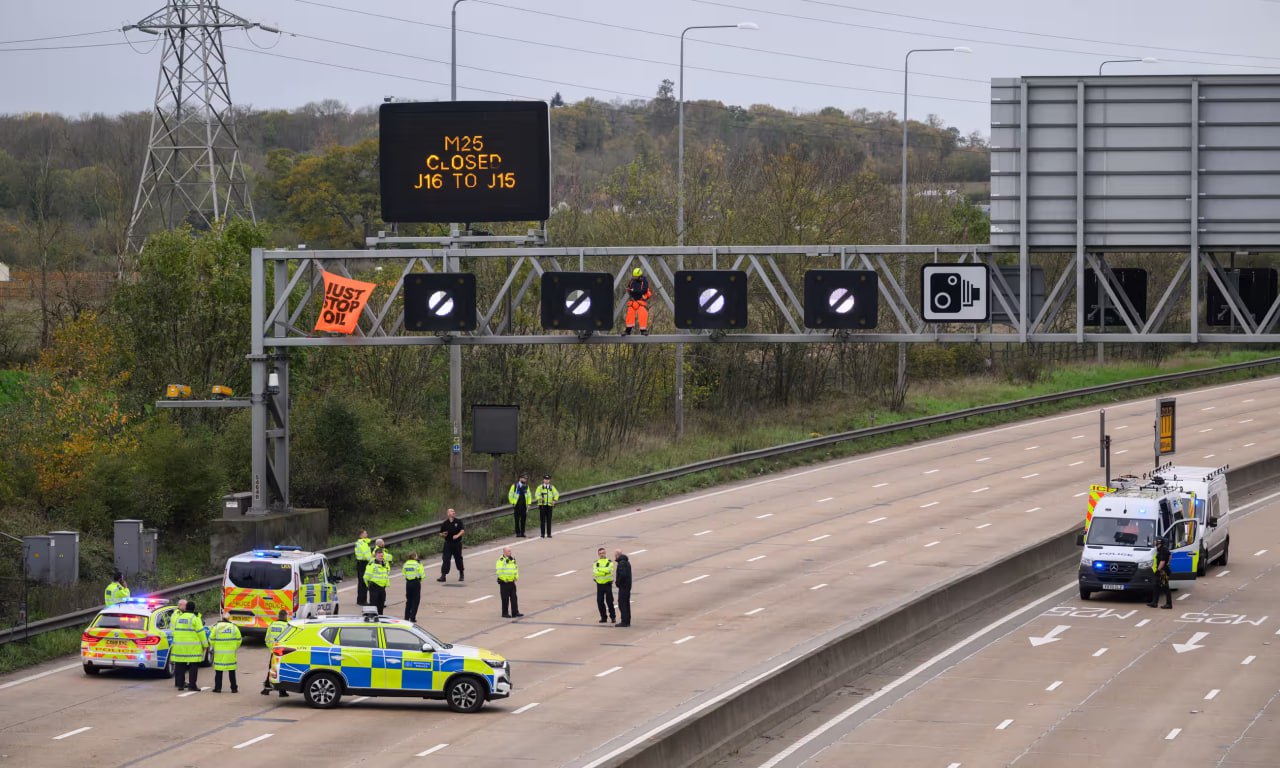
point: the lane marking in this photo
(703, 533)
(753, 612)
(1208, 455)
(1210, 429)
(1076, 437)
(1249, 445)
(1247, 661)
(1004, 724)
(1031, 448)
(1220, 574)
(525, 708)
(824, 501)
(68, 734)
(478, 599)
(1123, 426)
(930, 504)
(1209, 408)
(1246, 421)
(1033, 474)
(1260, 553)
(1033, 509)
(436, 748)
(697, 578)
(820, 538)
(359, 699)
(1173, 734)
(877, 564)
(879, 485)
(608, 671)
(1099, 652)
(1082, 493)
(254, 740)
(984, 525)
(1076, 463)
(954, 765)
(683, 640)
(766, 514)
(878, 519)
(1143, 623)
(639, 552)
(819, 586)
(1054, 685)
(46, 673)
(1184, 596)
(540, 633)
(566, 573)
(932, 544)
(1211, 695)
(757, 557)
(1126, 450)
(192, 693)
(980, 490)
(1250, 400)
(930, 471)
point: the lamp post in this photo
(1143, 60)
(680, 156)
(455, 351)
(453, 58)
(906, 62)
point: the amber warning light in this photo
(465, 161)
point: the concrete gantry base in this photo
(303, 527)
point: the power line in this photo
(62, 47)
(57, 37)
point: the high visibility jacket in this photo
(603, 571)
(225, 639)
(116, 592)
(189, 639)
(377, 573)
(274, 631)
(413, 570)
(513, 496)
(387, 557)
(363, 550)
(507, 569)
(546, 496)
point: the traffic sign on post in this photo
(955, 293)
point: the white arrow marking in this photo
(1049, 637)
(1191, 644)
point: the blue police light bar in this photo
(288, 548)
(264, 553)
(144, 601)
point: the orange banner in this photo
(344, 300)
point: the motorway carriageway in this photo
(729, 583)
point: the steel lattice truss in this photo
(775, 275)
(193, 171)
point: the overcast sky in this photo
(807, 54)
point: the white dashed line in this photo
(69, 734)
(478, 599)
(1123, 426)
(1054, 685)
(824, 501)
(1076, 463)
(1247, 661)
(753, 612)
(1031, 448)
(879, 485)
(1184, 596)
(1220, 574)
(877, 564)
(1246, 421)
(1082, 493)
(1125, 450)
(1173, 734)
(566, 573)
(46, 673)
(1004, 724)
(433, 750)
(930, 471)
(359, 699)
(683, 640)
(984, 525)
(757, 557)
(1209, 429)
(1249, 445)
(820, 538)
(525, 708)
(932, 544)
(1033, 474)
(697, 578)
(1099, 652)
(984, 458)
(1208, 455)
(254, 740)
(766, 514)
(191, 693)
(816, 587)
(540, 633)
(1211, 695)
(1209, 408)
(1076, 437)
(878, 520)
(1143, 623)
(1260, 553)
(930, 504)
(608, 671)
(954, 765)
(1033, 509)
(703, 533)
(1250, 400)
(637, 552)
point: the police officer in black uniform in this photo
(1162, 576)
(451, 531)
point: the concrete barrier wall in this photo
(732, 723)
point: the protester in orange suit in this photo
(638, 294)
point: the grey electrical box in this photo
(39, 552)
(235, 505)
(135, 548)
(66, 557)
(150, 547)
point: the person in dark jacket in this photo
(622, 580)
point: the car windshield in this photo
(1124, 532)
(121, 621)
(437, 642)
(259, 575)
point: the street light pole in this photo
(455, 351)
(1143, 60)
(453, 58)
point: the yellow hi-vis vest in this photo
(189, 639)
(413, 570)
(363, 550)
(225, 639)
(507, 569)
(546, 496)
(115, 593)
(513, 497)
(274, 631)
(603, 571)
(377, 573)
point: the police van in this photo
(256, 585)
(1188, 507)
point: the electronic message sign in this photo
(464, 161)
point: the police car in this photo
(325, 658)
(136, 633)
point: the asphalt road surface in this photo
(729, 582)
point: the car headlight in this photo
(1145, 565)
(1086, 560)
(496, 663)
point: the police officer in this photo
(364, 556)
(225, 639)
(117, 591)
(1161, 566)
(508, 572)
(378, 576)
(546, 497)
(451, 531)
(413, 573)
(602, 571)
(622, 579)
(380, 546)
(520, 496)
(189, 646)
(274, 632)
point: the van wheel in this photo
(1203, 563)
(1085, 593)
(322, 690)
(167, 671)
(1226, 547)
(464, 694)
(89, 669)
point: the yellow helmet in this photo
(636, 272)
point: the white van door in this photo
(1184, 552)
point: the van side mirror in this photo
(1079, 539)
